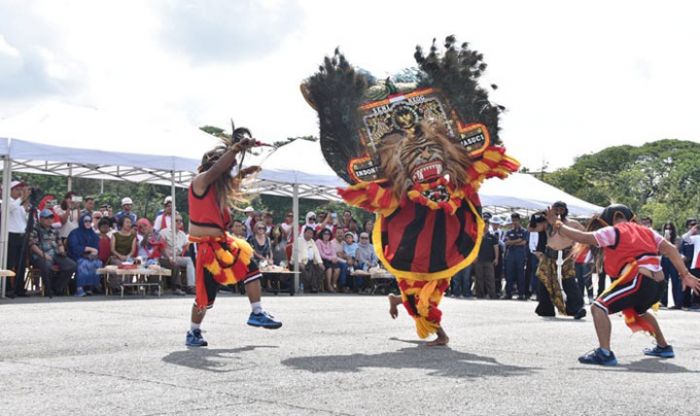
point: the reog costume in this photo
(415, 153)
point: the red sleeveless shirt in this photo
(205, 211)
(634, 242)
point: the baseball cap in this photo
(486, 216)
(126, 201)
(46, 213)
(349, 233)
(168, 200)
(249, 209)
(14, 184)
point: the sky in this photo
(575, 77)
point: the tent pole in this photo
(295, 234)
(70, 177)
(6, 177)
(102, 186)
(173, 215)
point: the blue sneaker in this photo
(665, 352)
(597, 357)
(263, 320)
(194, 339)
(80, 292)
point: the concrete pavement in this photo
(335, 355)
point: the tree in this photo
(660, 179)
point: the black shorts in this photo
(641, 293)
(330, 265)
(212, 286)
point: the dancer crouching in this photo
(632, 259)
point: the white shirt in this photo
(17, 220)
(157, 224)
(533, 240)
(180, 241)
(71, 222)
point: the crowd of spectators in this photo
(508, 259)
(73, 237)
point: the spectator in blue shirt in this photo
(127, 205)
(516, 245)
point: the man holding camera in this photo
(49, 255)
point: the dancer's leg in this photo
(442, 338)
(603, 328)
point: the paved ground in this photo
(338, 355)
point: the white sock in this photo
(257, 308)
(194, 326)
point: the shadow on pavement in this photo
(214, 360)
(438, 361)
(647, 365)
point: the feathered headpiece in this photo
(356, 113)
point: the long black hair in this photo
(670, 226)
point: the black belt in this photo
(554, 254)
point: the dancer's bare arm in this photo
(688, 280)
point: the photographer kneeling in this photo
(48, 255)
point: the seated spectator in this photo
(164, 219)
(279, 247)
(123, 241)
(329, 254)
(365, 259)
(346, 254)
(261, 244)
(174, 255)
(83, 249)
(148, 244)
(104, 244)
(310, 262)
(48, 255)
(127, 205)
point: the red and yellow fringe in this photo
(421, 300)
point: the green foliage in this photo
(660, 179)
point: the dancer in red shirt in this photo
(222, 259)
(633, 260)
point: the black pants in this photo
(55, 282)
(14, 252)
(574, 301)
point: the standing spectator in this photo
(96, 217)
(69, 213)
(310, 221)
(127, 205)
(584, 270)
(345, 221)
(485, 263)
(174, 255)
(249, 222)
(691, 251)
(461, 283)
(325, 221)
(83, 248)
(48, 255)
(670, 273)
(165, 218)
(536, 246)
(367, 227)
(329, 254)
(88, 206)
(238, 229)
(262, 249)
(647, 222)
(16, 227)
(269, 225)
(310, 261)
(123, 241)
(496, 224)
(516, 242)
(286, 227)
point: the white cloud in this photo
(574, 77)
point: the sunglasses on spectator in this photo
(364, 238)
